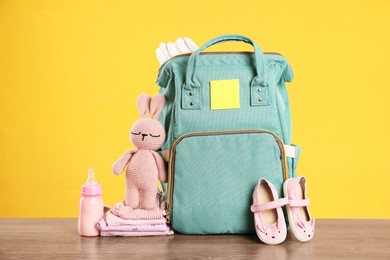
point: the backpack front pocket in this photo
(212, 176)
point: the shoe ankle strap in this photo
(269, 205)
(299, 203)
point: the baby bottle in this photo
(91, 206)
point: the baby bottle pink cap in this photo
(91, 189)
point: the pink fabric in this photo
(302, 229)
(270, 205)
(145, 166)
(273, 233)
(156, 105)
(299, 203)
(147, 134)
(113, 220)
(103, 226)
(143, 102)
(126, 212)
(134, 234)
(120, 164)
(160, 163)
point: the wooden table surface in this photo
(58, 239)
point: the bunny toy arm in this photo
(119, 166)
(162, 172)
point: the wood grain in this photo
(58, 239)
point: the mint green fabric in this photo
(179, 120)
(185, 82)
(214, 181)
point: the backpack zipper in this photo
(219, 53)
(225, 52)
(172, 156)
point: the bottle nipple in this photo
(91, 177)
(91, 187)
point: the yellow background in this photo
(70, 73)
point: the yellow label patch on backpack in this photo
(224, 94)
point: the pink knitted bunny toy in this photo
(145, 165)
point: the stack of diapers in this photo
(122, 220)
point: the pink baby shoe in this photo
(299, 217)
(267, 208)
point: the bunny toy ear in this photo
(143, 103)
(156, 105)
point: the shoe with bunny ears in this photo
(300, 220)
(270, 223)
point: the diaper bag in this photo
(228, 124)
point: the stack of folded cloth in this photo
(122, 220)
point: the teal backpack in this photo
(228, 124)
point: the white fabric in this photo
(182, 45)
(290, 151)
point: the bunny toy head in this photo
(148, 133)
